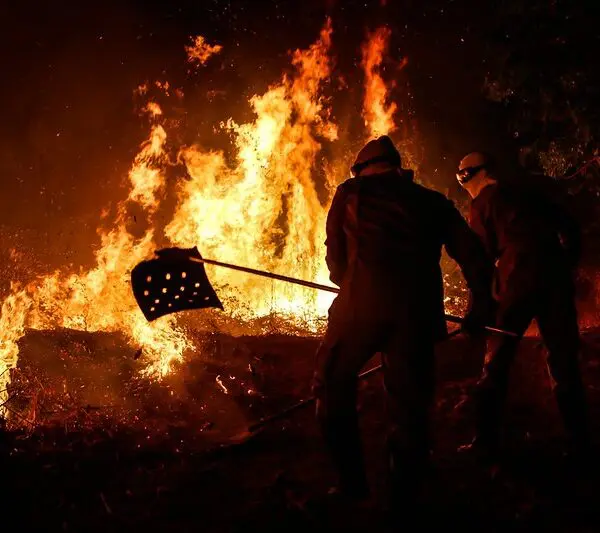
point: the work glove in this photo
(473, 324)
(478, 317)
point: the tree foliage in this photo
(545, 74)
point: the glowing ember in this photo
(220, 383)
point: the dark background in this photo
(69, 126)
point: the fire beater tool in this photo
(175, 280)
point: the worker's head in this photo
(376, 157)
(475, 171)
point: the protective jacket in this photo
(384, 239)
(534, 241)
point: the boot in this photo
(573, 408)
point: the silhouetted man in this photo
(384, 240)
(536, 246)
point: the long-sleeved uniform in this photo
(384, 239)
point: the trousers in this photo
(352, 338)
(553, 308)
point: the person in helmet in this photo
(384, 239)
(535, 244)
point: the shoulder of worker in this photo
(520, 190)
(347, 185)
(344, 190)
(539, 185)
(432, 194)
(434, 198)
(362, 183)
(398, 183)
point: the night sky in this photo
(69, 128)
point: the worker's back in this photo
(394, 224)
(387, 257)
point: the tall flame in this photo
(377, 112)
(265, 211)
(263, 206)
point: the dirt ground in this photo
(181, 471)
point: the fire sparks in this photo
(200, 51)
(378, 113)
(221, 384)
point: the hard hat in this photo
(377, 150)
(471, 164)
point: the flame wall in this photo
(261, 203)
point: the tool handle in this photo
(266, 274)
(318, 286)
(281, 414)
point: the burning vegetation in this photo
(123, 423)
(261, 204)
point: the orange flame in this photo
(265, 211)
(377, 112)
(100, 299)
(200, 52)
(146, 177)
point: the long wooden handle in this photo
(318, 286)
(266, 274)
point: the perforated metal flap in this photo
(172, 282)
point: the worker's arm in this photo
(467, 249)
(481, 222)
(335, 241)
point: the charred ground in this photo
(181, 468)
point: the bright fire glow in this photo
(378, 113)
(100, 299)
(264, 210)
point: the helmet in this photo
(380, 150)
(471, 164)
